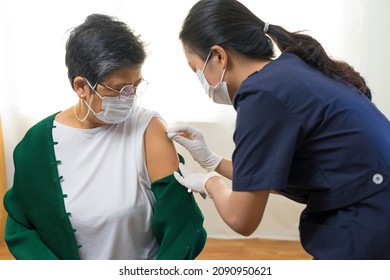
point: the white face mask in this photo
(115, 110)
(218, 93)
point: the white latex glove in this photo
(194, 141)
(193, 181)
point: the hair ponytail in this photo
(312, 52)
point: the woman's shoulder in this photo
(144, 115)
(161, 155)
(44, 123)
(36, 140)
(138, 110)
(40, 129)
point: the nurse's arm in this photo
(225, 168)
(241, 211)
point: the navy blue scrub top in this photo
(320, 142)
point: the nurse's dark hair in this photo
(101, 45)
(231, 25)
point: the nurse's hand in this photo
(193, 181)
(194, 141)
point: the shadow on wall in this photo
(281, 218)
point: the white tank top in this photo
(107, 188)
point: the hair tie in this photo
(265, 29)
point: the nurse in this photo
(306, 128)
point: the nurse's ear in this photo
(81, 87)
(221, 55)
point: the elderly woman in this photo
(95, 181)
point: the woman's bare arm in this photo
(161, 155)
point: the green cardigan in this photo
(38, 226)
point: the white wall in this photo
(33, 80)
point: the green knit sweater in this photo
(38, 226)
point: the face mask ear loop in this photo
(90, 101)
(88, 105)
(93, 88)
(223, 76)
(207, 60)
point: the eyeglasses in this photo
(138, 88)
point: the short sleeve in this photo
(266, 138)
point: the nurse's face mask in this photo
(116, 109)
(218, 93)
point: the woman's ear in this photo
(81, 86)
(221, 54)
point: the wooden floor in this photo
(236, 249)
(252, 249)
